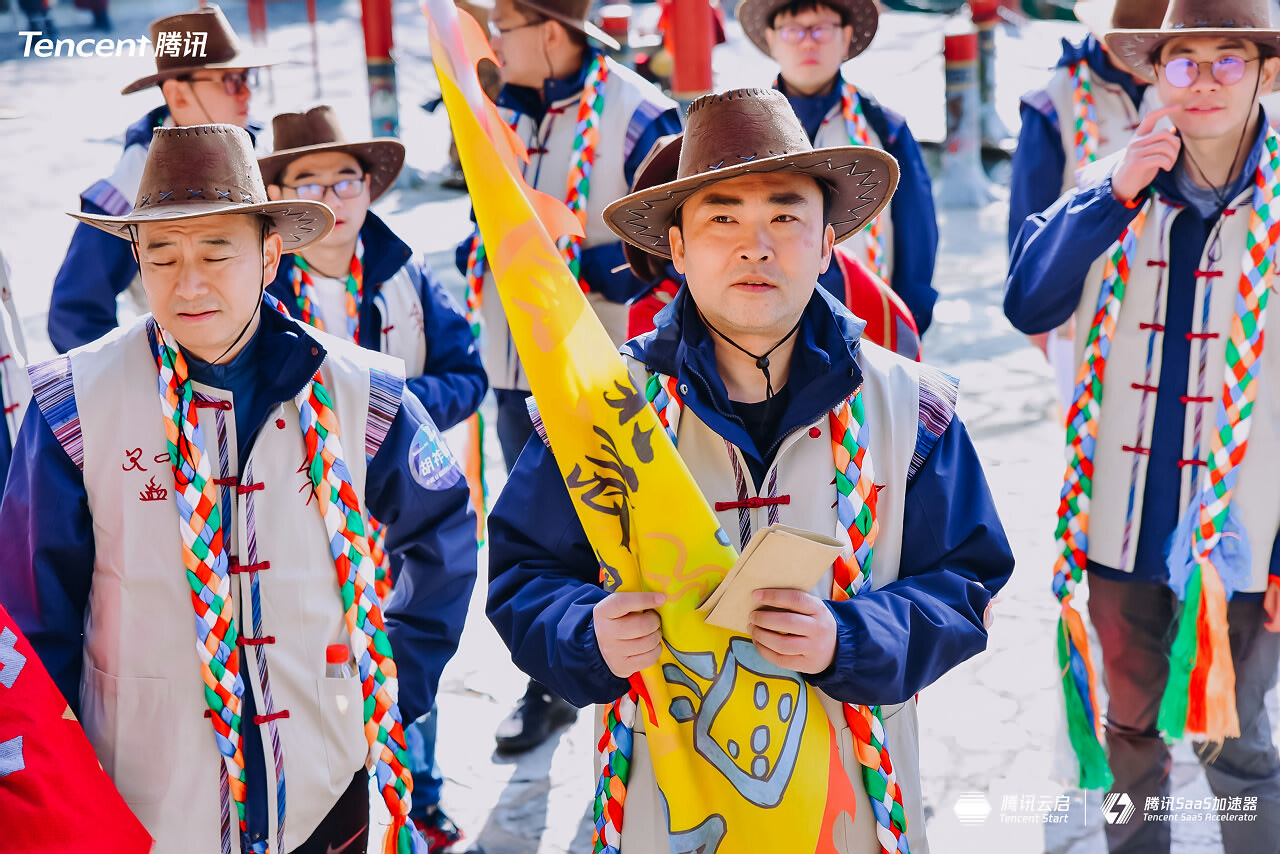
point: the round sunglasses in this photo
(1181, 72)
(233, 82)
(346, 189)
(820, 33)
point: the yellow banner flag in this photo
(744, 755)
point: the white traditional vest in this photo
(1125, 425)
(550, 145)
(892, 389)
(1116, 116)
(403, 332)
(832, 133)
(142, 700)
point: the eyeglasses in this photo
(233, 82)
(348, 188)
(1226, 70)
(820, 33)
(495, 30)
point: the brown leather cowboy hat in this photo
(207, 170)
(660, 166)
(756, 16)
(1215, 19)
(574, 14)
(298, 134)
(1103, 16)
(221, 48)
(754, 131)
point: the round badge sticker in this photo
(430, 459)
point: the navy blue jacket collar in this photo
(811, 109)
(530, 102)
(278, 361)
(1099, 61)
(824, 366)
(1167, 187)
(384, 255)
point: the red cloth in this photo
(641, 312)
(54, 797)
(889, 321)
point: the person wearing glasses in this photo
(207, 82)
(362, 283)
(810, 41)
(1164, 254)
(587, 123)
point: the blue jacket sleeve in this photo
(1038, 166)
(416, 489)
(895, 640)
(665, 124)
(47, 552)
(1053, 253)
(97, 269)
(454, 381)
(543, 583)
(915, 230)
(606, 270)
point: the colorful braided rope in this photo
(586, 136)
(1200, 694)
(204, 556)
(304, 290)
(855, 503)
(855, 122)
(856, 510)
(1085, 115)
(1084, 719)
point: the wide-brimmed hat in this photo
(207, 27)
(660, 166)
(1103, 16)
(574, 14)
(207, 170)
(1221, 19)
(754, 131)
(317, 130)
(756, 16)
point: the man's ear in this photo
(272, 251)
(676, 237)
(174, 94)
(273, 192)
(828, 246)
(1270, 67)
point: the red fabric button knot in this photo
(280, 423)
(815, 432)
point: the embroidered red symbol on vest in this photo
(133, 455)
(161, 458)
(153, 492)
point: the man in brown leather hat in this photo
(769, 392)
(555, 78)
(1164, 256)
(183, 540)
(206, 80)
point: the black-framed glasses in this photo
(347, 188)
(1182, 71)
(820, 33)
(233, 82)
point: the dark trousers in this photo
(345, 830)
(1135, 623)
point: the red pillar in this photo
(691, 37)
(384, 110)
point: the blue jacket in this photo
(1039, 161)
(891, 642)
(453, 381)
(47, 540)
(915, 223)
(1051, 259)
(98, 267)
(604, 267)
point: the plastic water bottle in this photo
(337, 659)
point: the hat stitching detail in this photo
(222, 195)
(195, 194)
(164, 196)
(145, 199)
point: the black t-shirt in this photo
(762, 421)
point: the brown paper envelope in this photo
(779, 557)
